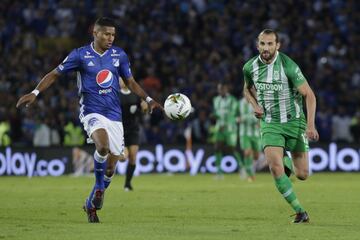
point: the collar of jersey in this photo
(277, 54)
(92, 47)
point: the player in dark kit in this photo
(132, 107)
(99, 66)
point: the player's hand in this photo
(312, 134)
(258, 111)
(27, 99)
(153, 105)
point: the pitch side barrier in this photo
(57, 161)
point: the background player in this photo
(132, 107)
(99, 66)
(225, 108)
(275, 86)
(249, 135)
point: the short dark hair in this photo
(270, 31)
(105, 22)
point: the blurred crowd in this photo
(183, 46)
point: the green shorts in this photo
(291, 135)
(253, 143)
(228, 138)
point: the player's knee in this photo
(109, 172)
(302, 174)
(103, 150)
(276, 169)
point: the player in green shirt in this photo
(249, 136)
(275, 87)
(225, 108)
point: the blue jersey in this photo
(98, 79)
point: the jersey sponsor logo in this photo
(105, 91)
(276, 75)
(104, 78)
(299, 75)
(269, 87)
(88, 55)
(116, 62)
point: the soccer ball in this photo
(177, 106)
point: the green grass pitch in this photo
(180, 207)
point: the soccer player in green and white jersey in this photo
(225, 108)
(249, 136)
(275, 87)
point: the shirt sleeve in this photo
(70, 63)
(247, 76)
(294, 73)
(124, 67)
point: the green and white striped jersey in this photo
(276, 87)
(249, 124)
(226, 111)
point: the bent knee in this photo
(109, 172)
(103, 150)
(302, 175)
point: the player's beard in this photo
(267, 55)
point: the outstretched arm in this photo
(250, 95)
(45, 82)
(310, 101)
(137, 89)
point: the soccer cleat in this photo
(128, 187)
(98, 199)
(301, 217)
(91, 213)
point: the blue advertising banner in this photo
(57, 161)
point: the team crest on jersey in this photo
(104, 78)
(115, 62)
(276, 75)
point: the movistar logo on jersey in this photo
(269, 86)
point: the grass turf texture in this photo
(179, 207)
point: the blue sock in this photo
(99, 169)
(107, 181)
(88, 201)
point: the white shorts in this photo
(114, 130)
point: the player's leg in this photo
(299, 148)
(133, 149)
(110, 168)
(248, 157)
(101, 140)
(274, 157)
(301, 164)
(288, 164)
(219, 148)
(248, 163)
(274, 145)
(231, 142)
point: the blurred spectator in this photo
(42, 135)
(355, 127)
(185, 46)
(341, 126)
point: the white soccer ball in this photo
(177, 106)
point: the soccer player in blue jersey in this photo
(99, 66)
